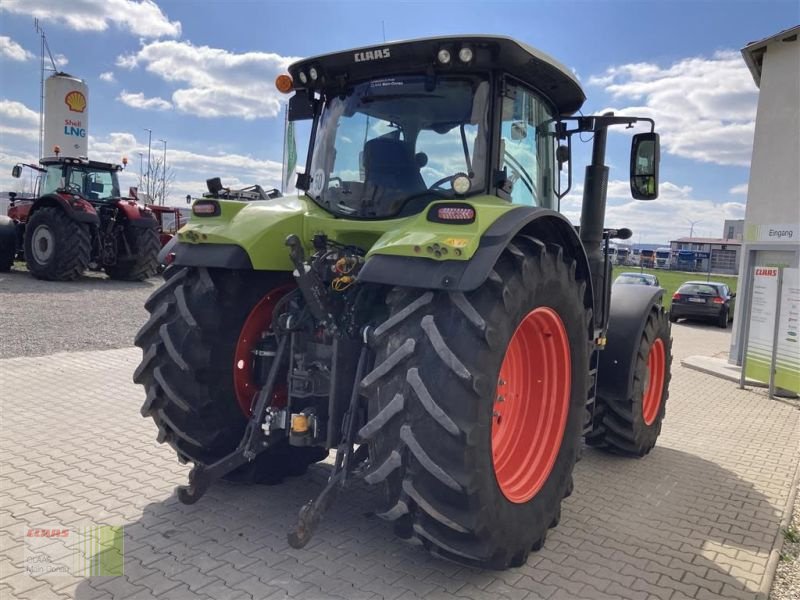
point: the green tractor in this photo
(422, 307)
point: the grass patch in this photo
(672, 280)
(790, 534)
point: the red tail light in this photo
(453, 213)
(676, 296)
(718, 300)
(206, 208)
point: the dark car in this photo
(636, 279)
(706, 300)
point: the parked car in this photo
(637, 279)
(706, 300)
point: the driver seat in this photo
(388, 164)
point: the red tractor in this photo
(78, 220)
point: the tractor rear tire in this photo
(435, 404)
(57, 248)
(8, 243)
(631, 426)
(144, 244)
(187, 369)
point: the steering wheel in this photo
(442, 181)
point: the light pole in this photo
(164, 174)
(149, 140)
(141, 157)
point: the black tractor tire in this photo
(64, 246)
(620, 426)
(431, 396)
(8, 243)
(144, 245)
(722, 320)
(187, 369)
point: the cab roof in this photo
(531, 66)
(92, 164)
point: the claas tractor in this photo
(422, 307)
(78, 220)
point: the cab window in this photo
(526, 146)
(51, 180)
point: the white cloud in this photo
(704, 108)
(191, 168)
(17, 112)
(214, 82)
(141, 17)
(662, 220)
(138, 100)
(60, 60)
(739, 189)
(108, 77)
(11, 49)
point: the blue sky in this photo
(200, 75)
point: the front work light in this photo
(465, 54)
(313, 73)
(444, 56)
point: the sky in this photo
(200, 74)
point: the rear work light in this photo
(206, 208)
(455, 214)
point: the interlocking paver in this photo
(696, 518)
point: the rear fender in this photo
(136, 215)
(75, 207)
(630, 308)
(546, 225)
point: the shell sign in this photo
(75, 101)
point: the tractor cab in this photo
(402, 125)
(94, 181)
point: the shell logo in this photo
(76, 101)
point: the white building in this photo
(772, 218)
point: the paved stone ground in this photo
(696, 518)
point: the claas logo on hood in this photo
(76, 101)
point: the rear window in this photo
(698, 288)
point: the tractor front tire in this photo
(142, 264)
(57, 248)
(631, 426)
(476, 404)
(187, 369)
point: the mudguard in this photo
(136, 215)
(630, 307)
(75, 207)
(224, 256)
(544, 224)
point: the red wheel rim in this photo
(532, 403)
(253, 330)
(654, 387)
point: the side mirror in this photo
(16, 171)
(188, 198)
(301, 106)
(733, 294)
(645, 156)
